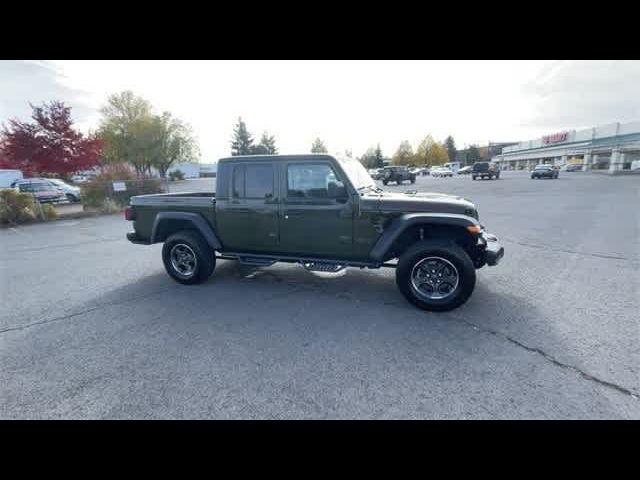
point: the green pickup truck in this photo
(324, 213)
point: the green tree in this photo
(473, 154)
(133, 134)
(126, 130)
(242, 141)
(379, 163)
(430, 152)
(451, 148)
(318, 146)
(404, 154)
(368, 159)
(172, 142)
(268, 142)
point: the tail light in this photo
(129, 214)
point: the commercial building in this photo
(614, 148)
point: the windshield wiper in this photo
(373, 187)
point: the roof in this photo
(266, 158)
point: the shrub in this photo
(99, 193)
(49, 211)
(176, 175)
(16, 207)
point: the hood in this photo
(424, 202)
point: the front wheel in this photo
(436, 275)
(188, 258)
(385, 182)
(413, 180)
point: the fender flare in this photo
(198, 222)
(399, 224)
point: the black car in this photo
(398, 175)
(485, 170)
(544, 171)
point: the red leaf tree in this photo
(49, 144)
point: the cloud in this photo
(24, 82)
(577, 94)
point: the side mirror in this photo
(336, 192)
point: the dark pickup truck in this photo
(324, 213)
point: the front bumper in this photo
(491, 250)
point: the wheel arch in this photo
(405, 230)
(167, 223)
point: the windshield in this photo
(357, 174)
(543, 167)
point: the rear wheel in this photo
(436, 275)
(188, 258)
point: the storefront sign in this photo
(119, 186)
(555, 138)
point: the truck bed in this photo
(148, 206)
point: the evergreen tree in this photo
(242, 142)
(473, 154)
(269, 143)
(318, 146)
(379, 158)
(451, 148)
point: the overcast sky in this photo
(349, 104)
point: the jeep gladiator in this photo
(325, 213)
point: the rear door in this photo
(249, 219)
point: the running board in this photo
(310, 263)
(256, 261)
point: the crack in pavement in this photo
(82, 312)
(552, 359)
(299, 288)
(563, 250)
(63, 245)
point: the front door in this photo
(317, 213)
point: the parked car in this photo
(72, 193)
(80, 178)
(544, 171)
(573, 167)
(441, 172)
(465, 170)
(320, 217)
(42, 190)
(377, 174)
(9, 177)
(397, 174)
(488, 170)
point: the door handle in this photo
(292, 213)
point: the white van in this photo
(7, 177)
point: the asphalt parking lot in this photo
(92, 327)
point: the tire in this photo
(473, 177)
(413, 180)
(445, 254)
(385, 182)
(188, 243)
(71, 198)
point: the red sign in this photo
(555, 138)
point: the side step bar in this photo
(315, 264)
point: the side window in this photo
(259, 181)
(237, 186)
(313, 181)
